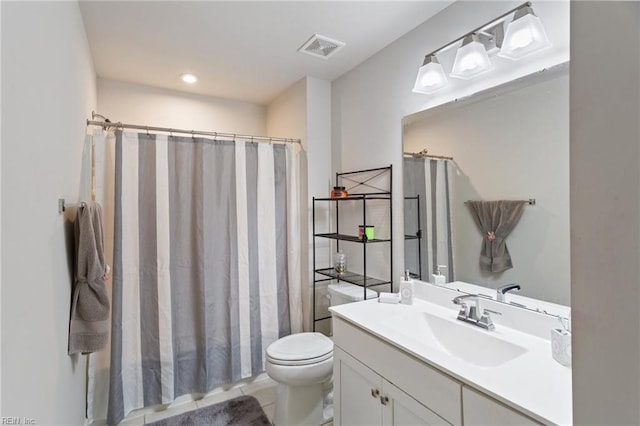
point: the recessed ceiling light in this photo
(189, 78)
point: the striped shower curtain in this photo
(206, 264)
(432, 181)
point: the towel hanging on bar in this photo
(496, 220)
(89, 323)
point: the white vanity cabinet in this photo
(376, 383)
(363, 397)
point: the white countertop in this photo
(533, 383)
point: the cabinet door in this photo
(425, 384)
(402, 410)
(481, 410)
(357, 390)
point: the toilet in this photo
(342, 293)
(346, 293)
(302, 364)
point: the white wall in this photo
(369, 102)
(48, 90)
(319, 181)
(304, 111)
(137, 104)
(319, 136)
(605, 212)
(287, 115)
(509, 144)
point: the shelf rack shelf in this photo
(352, 238)
(351, 277)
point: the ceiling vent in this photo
(321, 46)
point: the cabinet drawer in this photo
(480, 410)
(429, 387)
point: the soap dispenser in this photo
(406, 289)
(438, 278)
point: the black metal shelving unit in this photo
(360, 180)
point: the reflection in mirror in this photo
(507, 143)
(428, 181)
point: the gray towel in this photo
(89, 325)
(496, 220)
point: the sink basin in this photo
(461, 340)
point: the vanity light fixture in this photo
(471, 60)
(431, 76)
(524, 35)
(189, 78)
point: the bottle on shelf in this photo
(339, 192)
(341, 262)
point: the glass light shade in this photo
(471, 60)
(524, 36)
(431, 77)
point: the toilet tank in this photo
(346, 293)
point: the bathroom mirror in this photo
(510, 142)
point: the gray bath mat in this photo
(244, 410)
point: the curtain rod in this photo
(107, 124)
(423, 154)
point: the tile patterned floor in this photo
(262, 388)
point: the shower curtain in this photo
(432, 180)
(206, 265)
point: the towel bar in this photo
(62, 205)
(530, 201)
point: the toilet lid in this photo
(300, 348)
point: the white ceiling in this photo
(240, 50)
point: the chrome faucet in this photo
(469, 312)
(501, 291)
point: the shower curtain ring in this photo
(193, 135)
(147, 127)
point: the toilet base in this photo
(299, 405)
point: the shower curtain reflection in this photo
(432, 181)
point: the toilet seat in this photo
(299, 361)
(300, 349)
